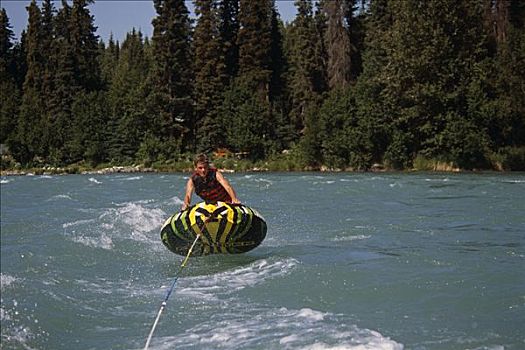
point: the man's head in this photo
(201, 163)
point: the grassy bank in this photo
(509, 161)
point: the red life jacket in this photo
(209, 188)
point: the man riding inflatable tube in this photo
(208, 183)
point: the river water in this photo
(351, 261)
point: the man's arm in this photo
(227, 187)
(187, 197)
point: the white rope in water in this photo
(164, 303)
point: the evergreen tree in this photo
(356, 19)
(6, 37)
(209, 72)
(345, 141)
(254, 42)
(126, 96)
(9, 91)
(66, 87)
(87, 141)
(303, 63)
(375, 107)
(18, 63)
(419, 65)
(85, 44)
(283, 132)
(320, 74)
(246, 109)
(108, 60)
(338, 44)
(171, 89)
(503, 102)
(28, 144)
(77, 72)
(47, 45)
(306, 77)
(229, 30)
(248, 118)
(278, 64)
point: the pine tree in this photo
(419, 65)
(209, 82)
(254, 42)
(247, 118)
(77, 74)
(283, 132)
(303, 67)
(9, 91)
(126, 99)
(278, 64)
(6, 37)
(30, 124)
(87, 138)
(320, 69)
(229, 30)
(48, 89)
(58, 104)
(171, 97)
(338, 43)
(503, 105)
(19, 64)
(108, 59)
(376, 109)
(85, 45)
(246, 109)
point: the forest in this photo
(347, 85)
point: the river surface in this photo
(351, 261)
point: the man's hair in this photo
(201, 158)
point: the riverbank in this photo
(226, 165)
(286, 162)
(243, 167)
(75, 170)
(283, 163)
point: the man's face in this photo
(201, 169)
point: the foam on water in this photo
(6, 280)
(139, 218)
(225, 283)
(14, 318)
(351, 238)
(132, 178)
(17, 336)
(92, 179)
(513, 181)
(242, 325)
(131, 220)
(59, 197)
(325, 182)
(278, 328)
(4, 181)
(78, 223)
(19, 326)
(103, 241)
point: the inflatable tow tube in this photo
(224, 228)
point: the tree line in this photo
(346, 84)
